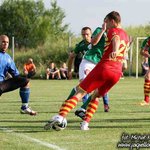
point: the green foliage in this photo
(41, 34)
(30, 23)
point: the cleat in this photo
(84, 126)
(56, 120)
(27, 110)
(144, 103)
(80, 113)
(50, 124)
(106, 108)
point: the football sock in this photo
(106, 99)
(146, 90)
(68, 105)
(85, 98)
(84, 106)
(24, 94)
(92, 107)
(73, 91)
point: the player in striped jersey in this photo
(145, 51)
(103, 77)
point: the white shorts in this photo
(84, 65)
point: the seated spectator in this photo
(63, 71)
(144, 66)
(29, 68)
(52, 72)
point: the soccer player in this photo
(80, 48)
(103, 77)
(89, 61)
(145, 51)
(16, 81)
(79, 51)
(92, 55)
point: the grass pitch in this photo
(127, 123)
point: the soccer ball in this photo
(61, 126)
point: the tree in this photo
(29, 22)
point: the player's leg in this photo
(89, 84)
(15, 83)
(106, 102)
(105, 83)
(65, 108)
(146, 90)
(91, 109)
(82, 110)
(73, 91)
(84, 69)
(25, 95)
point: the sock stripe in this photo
(146, 90)
(92, 107)
(68, 106)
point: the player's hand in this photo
(113, 55)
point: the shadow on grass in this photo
(30, 126)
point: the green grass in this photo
(21, 132)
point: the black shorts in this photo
(13, 84)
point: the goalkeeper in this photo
(8, 67)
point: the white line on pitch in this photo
(55, 147)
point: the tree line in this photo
(41, 31)
(30, 23)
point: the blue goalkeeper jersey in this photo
(7, 65)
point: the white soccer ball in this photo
(60, 126)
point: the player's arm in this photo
(70, 62)
(145, 48)
(97, 38)
(116, 45)
(144, 51)
(12, 68)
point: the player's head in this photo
(4, 43)
(86, 33)
(112, 19)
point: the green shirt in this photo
(94, 54)
(81, 47)
(144, 44)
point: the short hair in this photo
(86, 28)
(3, 36)
(114, 15)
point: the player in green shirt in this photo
(79, 50)
(93, 54)
(89, 61)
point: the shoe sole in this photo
(78, 114)
(85, 129)
(29, 113)
(50, 124)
